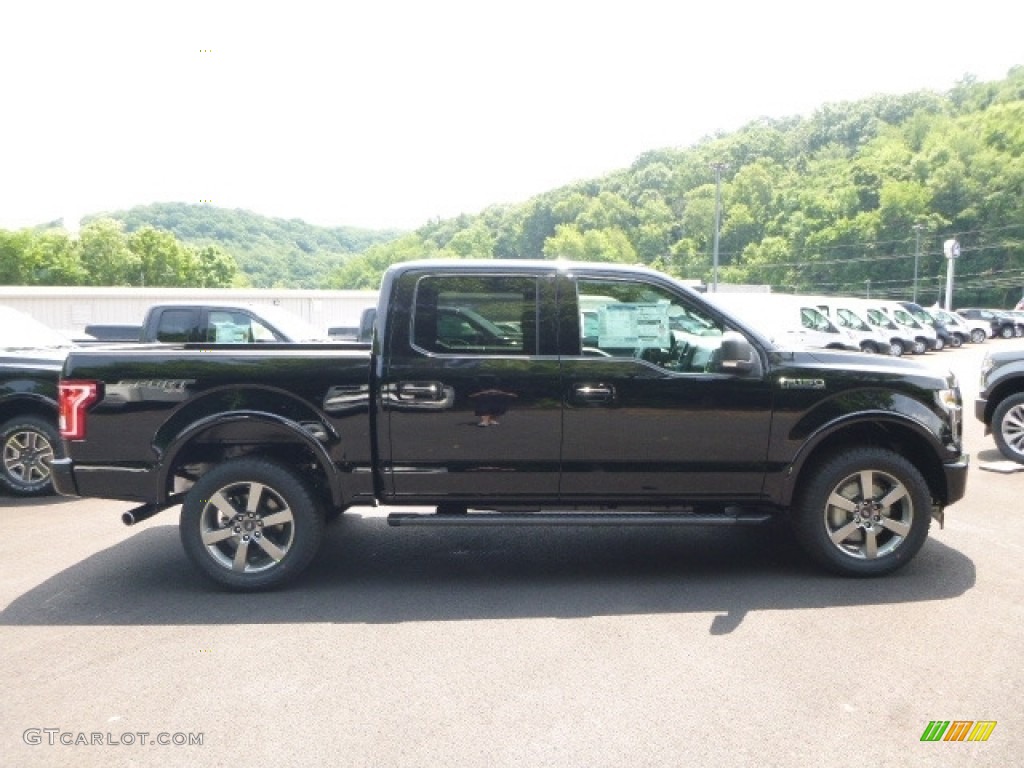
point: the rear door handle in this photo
(420, 390)
(593, 393)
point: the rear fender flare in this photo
(255, 420)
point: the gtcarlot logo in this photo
(55, 737)
(958, 730)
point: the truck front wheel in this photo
(251, 524)
(865, 512)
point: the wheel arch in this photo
(902, 436)
(212, 440)
(1006, 387)
(28, 405)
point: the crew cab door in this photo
(470, 386)
(650, 413)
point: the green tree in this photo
(568, 242)
(55, 259)
(14, 264)
(214, 267)
(105, 255)
(163, 260)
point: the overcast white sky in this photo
(386, 114)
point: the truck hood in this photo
(871, 367)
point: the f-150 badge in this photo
(801, 383)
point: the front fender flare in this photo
(886, 421)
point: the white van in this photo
(850, 318)
(786, 319)
(901, 340)
(925, 337)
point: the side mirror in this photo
(737, 353)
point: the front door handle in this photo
(593, 393)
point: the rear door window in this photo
(476, 314)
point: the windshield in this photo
(850, 320)
(923, 317)
(291, 325)
(21, 331)
(878, 318)
(904, 317)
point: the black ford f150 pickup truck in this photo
(517, 393)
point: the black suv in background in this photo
(1003, 325)
(1000, 403)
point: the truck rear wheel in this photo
(251, 524)
(28, 444)
(865, 512)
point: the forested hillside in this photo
(837, 202)
(177, 244)
(847, 200)
(286, 253)
(103, 254)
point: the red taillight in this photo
(74, 398)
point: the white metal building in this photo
(71, 309)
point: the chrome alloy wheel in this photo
(1012, 429)
(247, 527)
(868, 515)
(1008, 427)
(27, 455)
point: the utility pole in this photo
(917, 256)
(717, 168)
(952, 250)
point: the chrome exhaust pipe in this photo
(137, 515)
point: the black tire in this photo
(896, 348)
(940, 344)
(1006, 331)
(863, 534)
(920, 346)
(868, 348)
(1008, 427)
(250, 544)
(28, 445)
(978, 336)
(956, 341)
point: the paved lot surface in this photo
(405, 647)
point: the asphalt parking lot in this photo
(524, 647)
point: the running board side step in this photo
(572, 518)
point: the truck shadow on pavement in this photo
(369, 573)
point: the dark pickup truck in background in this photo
(221, 323)
(517, 394)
